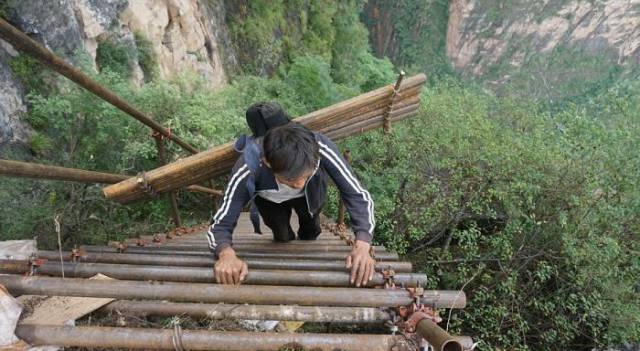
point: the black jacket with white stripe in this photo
(249, 176)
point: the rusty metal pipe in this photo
(267, 238)
(240, 247)
(240, 240)
(243, 241)
(199, 238)
(466, 341)
(255, 312)
(331, 256)
(40, 171)
(239, 243)
(15, 266)
(173, 201)
(215, 293)
(437, 337)
(206, 275)
(164, 339)
(204, 190)
(209, 261)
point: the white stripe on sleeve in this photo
(236, 179)
(344, 170)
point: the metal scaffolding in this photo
(284, 288)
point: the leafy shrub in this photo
(412, 34)
(30, 72)
(533, 214)
(256, 28)
(6, 8)
(311, 78)
(271, 35)
(115, 56)
(39, 143)
(146, 57)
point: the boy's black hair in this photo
(291, 150)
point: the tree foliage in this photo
(533, 213)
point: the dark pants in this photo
(278, 218)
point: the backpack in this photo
(263, 116)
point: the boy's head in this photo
(292, 153)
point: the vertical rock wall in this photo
(483, 33)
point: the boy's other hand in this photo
(229, 269)
(361, 263)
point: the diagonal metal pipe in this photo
(40, 171)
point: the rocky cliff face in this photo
(183, 34)
(483, 33)
(12, 130)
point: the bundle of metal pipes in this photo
(304, 281)
(374, 109)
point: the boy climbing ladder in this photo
(283, 167)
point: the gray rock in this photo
(107, 11)
(477, 41)
(12, 129)
(213, 15)
(52, 22)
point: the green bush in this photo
(412, 34)
(146, 57)
(115, 56)
(564, 75)
(6, 8)
(256, 29)
(271, 34)
(534, 214)
(311, 78)
(30, 72)
(39, 143)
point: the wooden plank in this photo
(61, 310)
(291, 326)
(18, 346)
